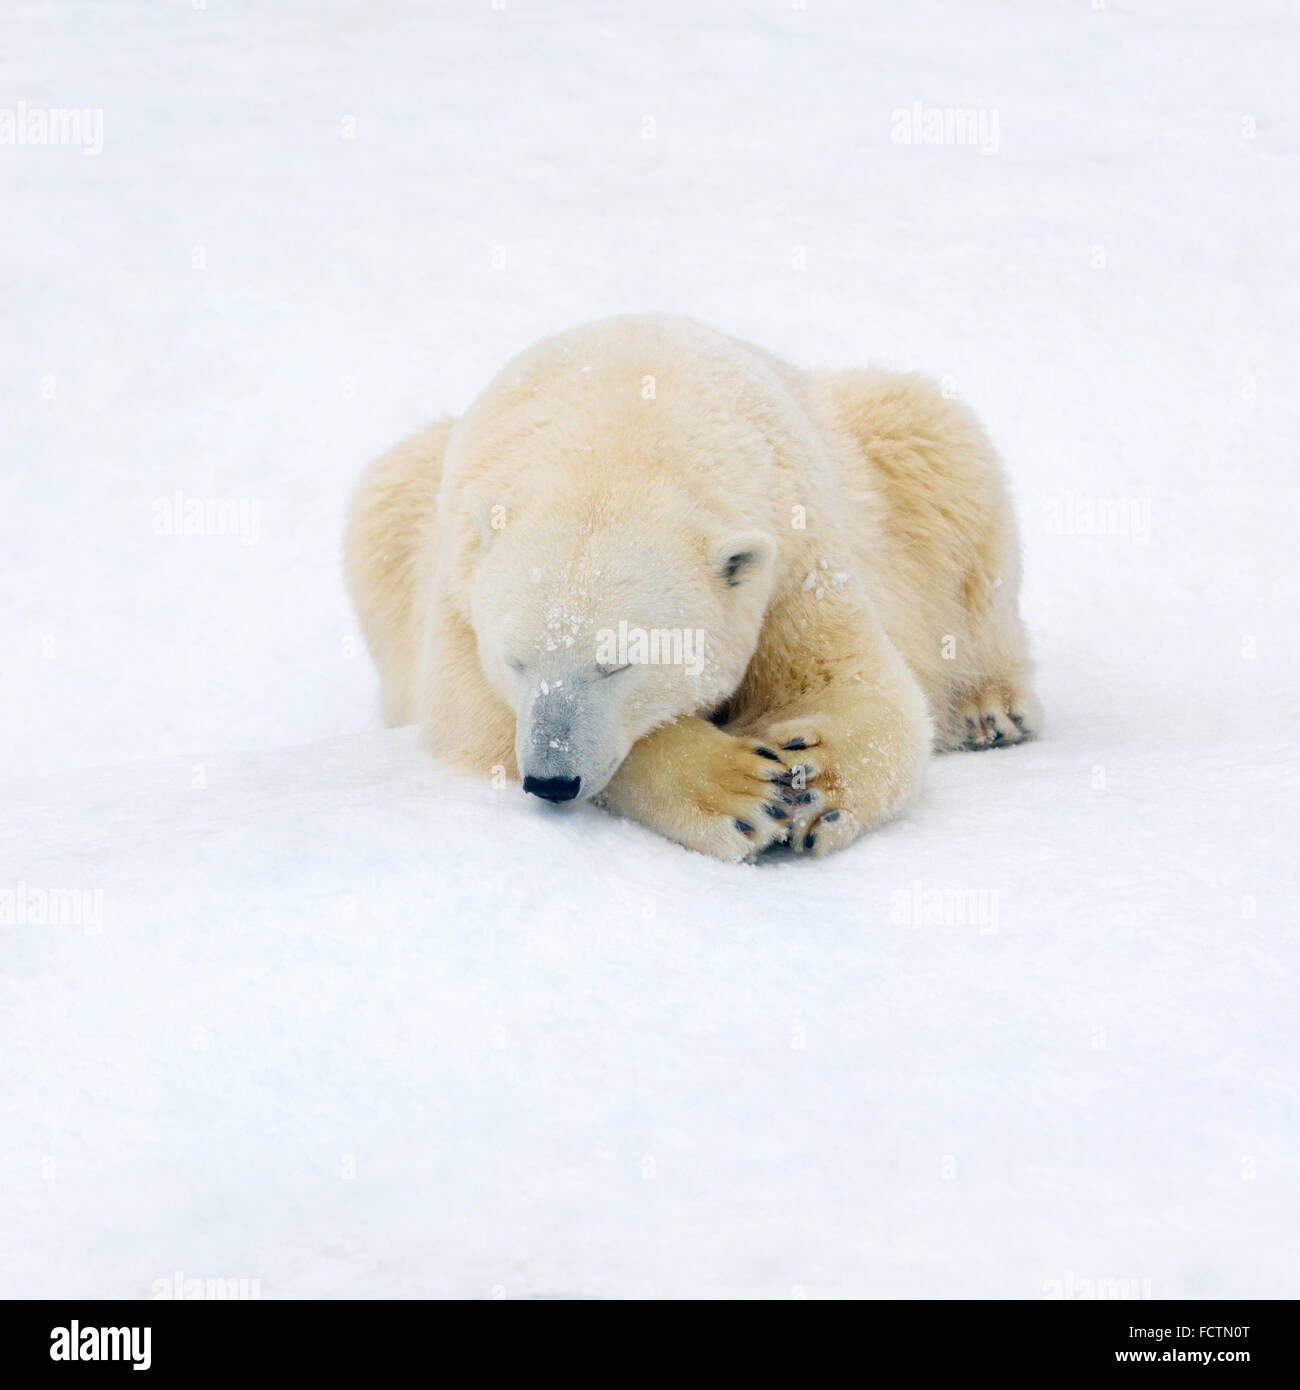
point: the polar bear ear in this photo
(480, 509)
(743, 557)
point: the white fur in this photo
(843, 541)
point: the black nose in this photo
(553, 788)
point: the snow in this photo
(322, 1013)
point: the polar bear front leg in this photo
(711, 791)
(461, 717)
(852, 723)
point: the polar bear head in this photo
(596, 627)
(610, 505)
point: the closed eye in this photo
(604, 672)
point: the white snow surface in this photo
(345, 1022)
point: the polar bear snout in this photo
(553, 788)
(567, 739)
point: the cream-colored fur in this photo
(844, 540)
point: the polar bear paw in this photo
(820, 820)
(738, 800)
(998, 714)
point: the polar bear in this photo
(655, 567)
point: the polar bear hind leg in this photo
(948, 537)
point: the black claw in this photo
(744, 825)
(795, 744)
(831, 815)
(809, 841)
(767, 753)
(787, 798)
(805, 798)
(777, 812)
